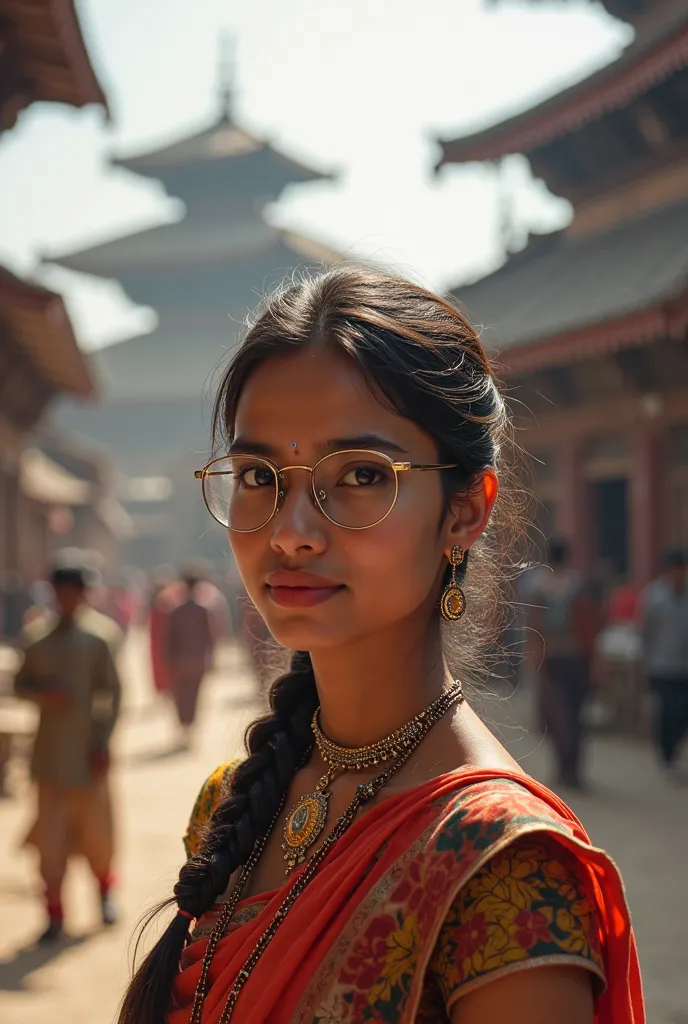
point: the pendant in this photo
(453, 602)
(304, 824)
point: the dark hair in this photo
(68, 577)
(75, 568)
(419, 355)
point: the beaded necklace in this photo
(422, 722)
(306, 821)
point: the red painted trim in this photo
(634, 330)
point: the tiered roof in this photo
(203, 274)
(220, 145)
(654, 56)
(564, 296)
(615, 144)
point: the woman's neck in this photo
(369, 689)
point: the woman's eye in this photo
(255, 476)
(362, 476)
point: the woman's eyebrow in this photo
(373, 441)
(244, 445)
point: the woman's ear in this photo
(469, 513)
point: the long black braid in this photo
(277, 744)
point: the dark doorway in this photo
(611, 516)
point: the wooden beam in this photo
(615, 415)
(559, 385)
(637, 366)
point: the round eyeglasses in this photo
(353, 489)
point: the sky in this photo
(361, 87)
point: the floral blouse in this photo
(528, 905)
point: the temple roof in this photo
(169, 245)
(188, 242)
(653, 57)
(43, 57)
(564, 294)
(220, 144)
(177, 359)
(37, 320)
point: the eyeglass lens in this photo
(354, 489)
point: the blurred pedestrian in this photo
(163, 598)
(664, 624)
(14, 602)
(190, 647)
(566, 618)
(69, 671)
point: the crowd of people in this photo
(574, 627)
(74, 628)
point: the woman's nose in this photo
(299, 523)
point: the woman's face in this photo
(359, 582)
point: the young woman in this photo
(378, 856)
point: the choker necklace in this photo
(420, 726)
(306, 821)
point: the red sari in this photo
(357, 943)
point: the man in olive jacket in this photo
(69, 671)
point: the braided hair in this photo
(423, 358)
(277, 744)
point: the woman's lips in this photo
(302, 597)
(295, 588)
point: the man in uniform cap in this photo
(69, 671)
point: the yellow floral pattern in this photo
(530, 901)
(215, 789)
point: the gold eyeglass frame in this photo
(398, 467)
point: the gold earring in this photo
(453, 599)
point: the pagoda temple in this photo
(202, 275)
(590, 323)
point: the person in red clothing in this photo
(189, 647)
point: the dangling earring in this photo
(453, 599)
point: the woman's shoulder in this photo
(214, 790)
(529, 904)
(491, 811)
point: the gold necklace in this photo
(364, 792)
(306, 820)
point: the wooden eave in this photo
(667, 320)
(645, 63)
(43, 57)
(37, 321)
